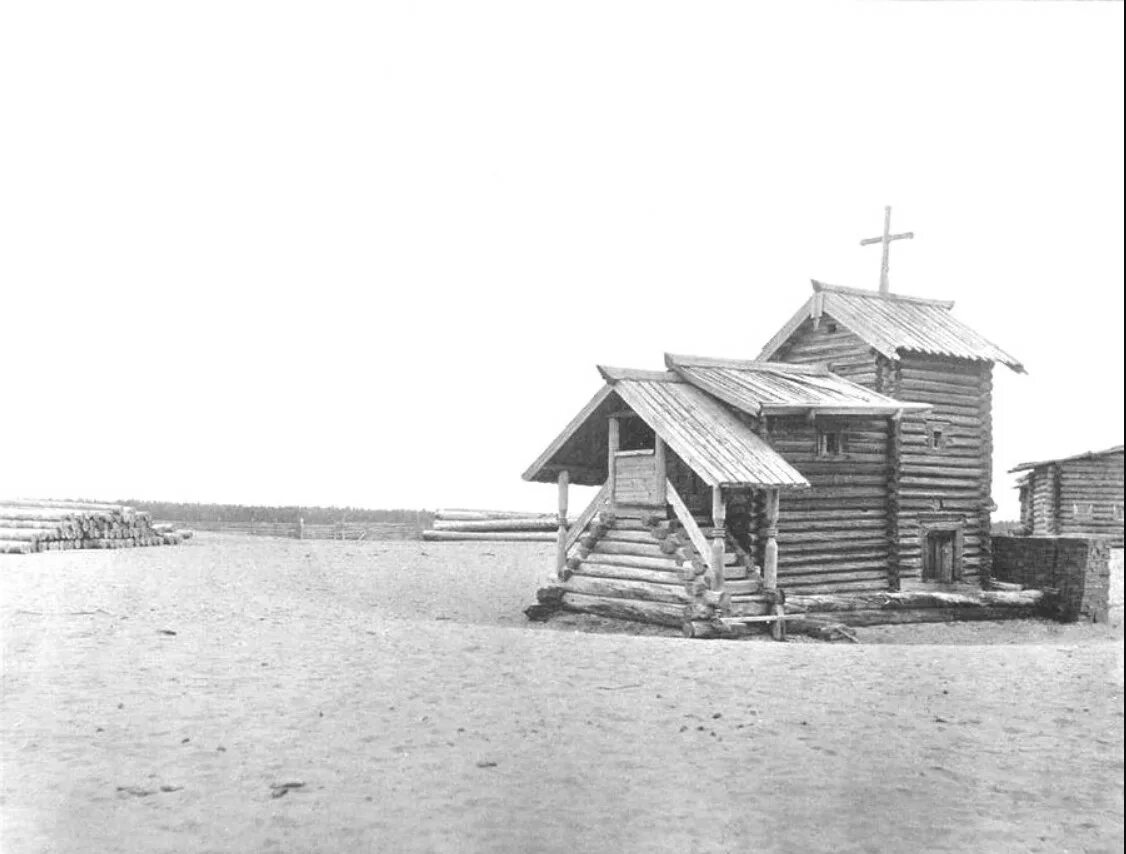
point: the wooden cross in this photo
(886, 240)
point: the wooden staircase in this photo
(642, 562)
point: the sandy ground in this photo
(401, 685)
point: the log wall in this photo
(833, 537)
(944, 480)
(1082, 496)
(830, 343)
(924, 486)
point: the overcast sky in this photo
(370, 253)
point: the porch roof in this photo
(776, 388)
(707, 435)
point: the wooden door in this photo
(939, 557)
(635, 478)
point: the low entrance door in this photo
(635, 478)
(940, 558)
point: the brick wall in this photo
(1078, 567)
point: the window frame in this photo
(841, 437)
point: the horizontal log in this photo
(31, 534)
(786, 539)
(488, 536)
(929, 615)
(749, 607)
(820, 573)
(916, 599)
(959, 388)
(829, 554)
(836, 511)
(540, 524)
(616, 536)
(637, 549)
(597, 569)
(618, 588)
(844, 522)
(486, 515)
(659, 613)
(812, 549)
(663, 562)
(71, 506)
(16, 546)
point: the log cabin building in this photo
(1082, 494)
(852, 456)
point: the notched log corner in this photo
(549, 600)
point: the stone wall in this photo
(1077, 567)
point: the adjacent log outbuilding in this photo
(1081, 494)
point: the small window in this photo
(1118, 515)
(830, 328)
(937, 436)
(831, 443)
(1083, 511)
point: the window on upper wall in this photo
(832, 442)
(1118, 513)
(938, 436)
(1083, 510)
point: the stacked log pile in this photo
(494, 525)
(32, 525)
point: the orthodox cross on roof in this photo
(886, 240)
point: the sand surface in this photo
(401, 685)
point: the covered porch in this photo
(683, 530)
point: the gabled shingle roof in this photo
(776, 388)
(702, 431)
(893, 324)
(1089, 455)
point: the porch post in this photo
(770, 551)
(770, 563)
(659, 471)
(561, 538)
(611, 462)
(719, 538)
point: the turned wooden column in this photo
(770, 535)
(719, 538)
(561, 538)
(612, 459)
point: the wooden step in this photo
(747, 587)
(620, 588)
(629, 573)
(615, 535)
(630, 525)
(639, 561)
(649, 549)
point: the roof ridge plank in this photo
(1086, 455)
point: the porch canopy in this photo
(707, 435)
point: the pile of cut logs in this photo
(34, 525)
(493, 525)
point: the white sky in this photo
(369, 254)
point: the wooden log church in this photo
(853, 455)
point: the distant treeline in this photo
(1007, 527)
(174, 511)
